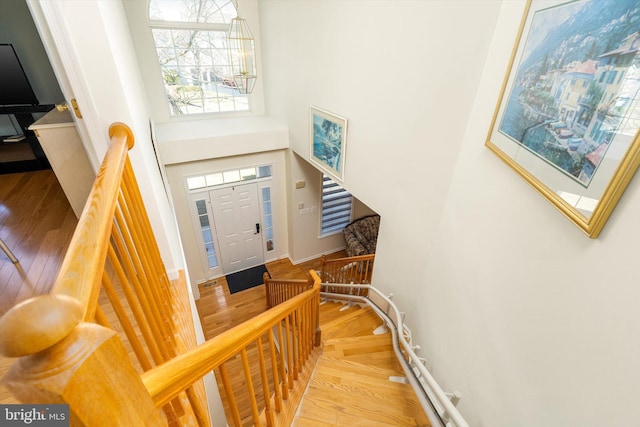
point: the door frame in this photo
(203, 193)
(56, 41)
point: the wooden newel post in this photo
(312, 280)
(62, 360)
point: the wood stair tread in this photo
(335, 410)
(358, 379)
(372, 349)
(358, 322)
(350, 385)
(331, 310)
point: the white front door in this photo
(236, 213)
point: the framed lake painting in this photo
(328, 137)
(568, 115)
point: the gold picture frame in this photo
(568, 115)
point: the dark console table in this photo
(35, 158)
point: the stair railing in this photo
(289, 330)
(281, 290)
(110, 315)
(436, 403)
(114, 338)
(355, 270)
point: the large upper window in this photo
(191, 45)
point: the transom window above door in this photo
(228, 177)
(191, 46)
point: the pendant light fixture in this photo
(242, 54)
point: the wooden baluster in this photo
(292, 373)
(127, 327)
(136, 196)
(200, 412)
(294, 345)
(302, 333)
(307, 334)
(101, 318)
(267, 289)
(283, 366)
(233, 406)
(295, 337)
(274, 368)
(300, 343)
(311, 326)
(158, 347)
(318, 332)
(136, 309)
(65, 361)
(158, 288)
(124, 247)
(252, 395)
(149, 279)
(265, 384)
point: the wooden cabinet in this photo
(63, 147)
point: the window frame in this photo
(137, 13)
(332, 231)
(169, 25)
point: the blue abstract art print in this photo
(328, 134)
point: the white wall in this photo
(512, 304)
(384, 65)
(551, 311)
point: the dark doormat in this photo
(246, 279)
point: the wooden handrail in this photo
(82, 267)
(65, 356)
(165, 381)
(81, 270)
(70, 353)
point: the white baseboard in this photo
(300, 261)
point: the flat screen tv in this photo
(15, 88)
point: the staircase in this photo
(350, 385)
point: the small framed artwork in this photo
(568, 116)
(328, 138)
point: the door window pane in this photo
(268, 218)
(207, 233)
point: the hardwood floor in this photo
(219, 310)
(37, 222)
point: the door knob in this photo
(257, 228)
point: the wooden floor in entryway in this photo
(219, 310)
